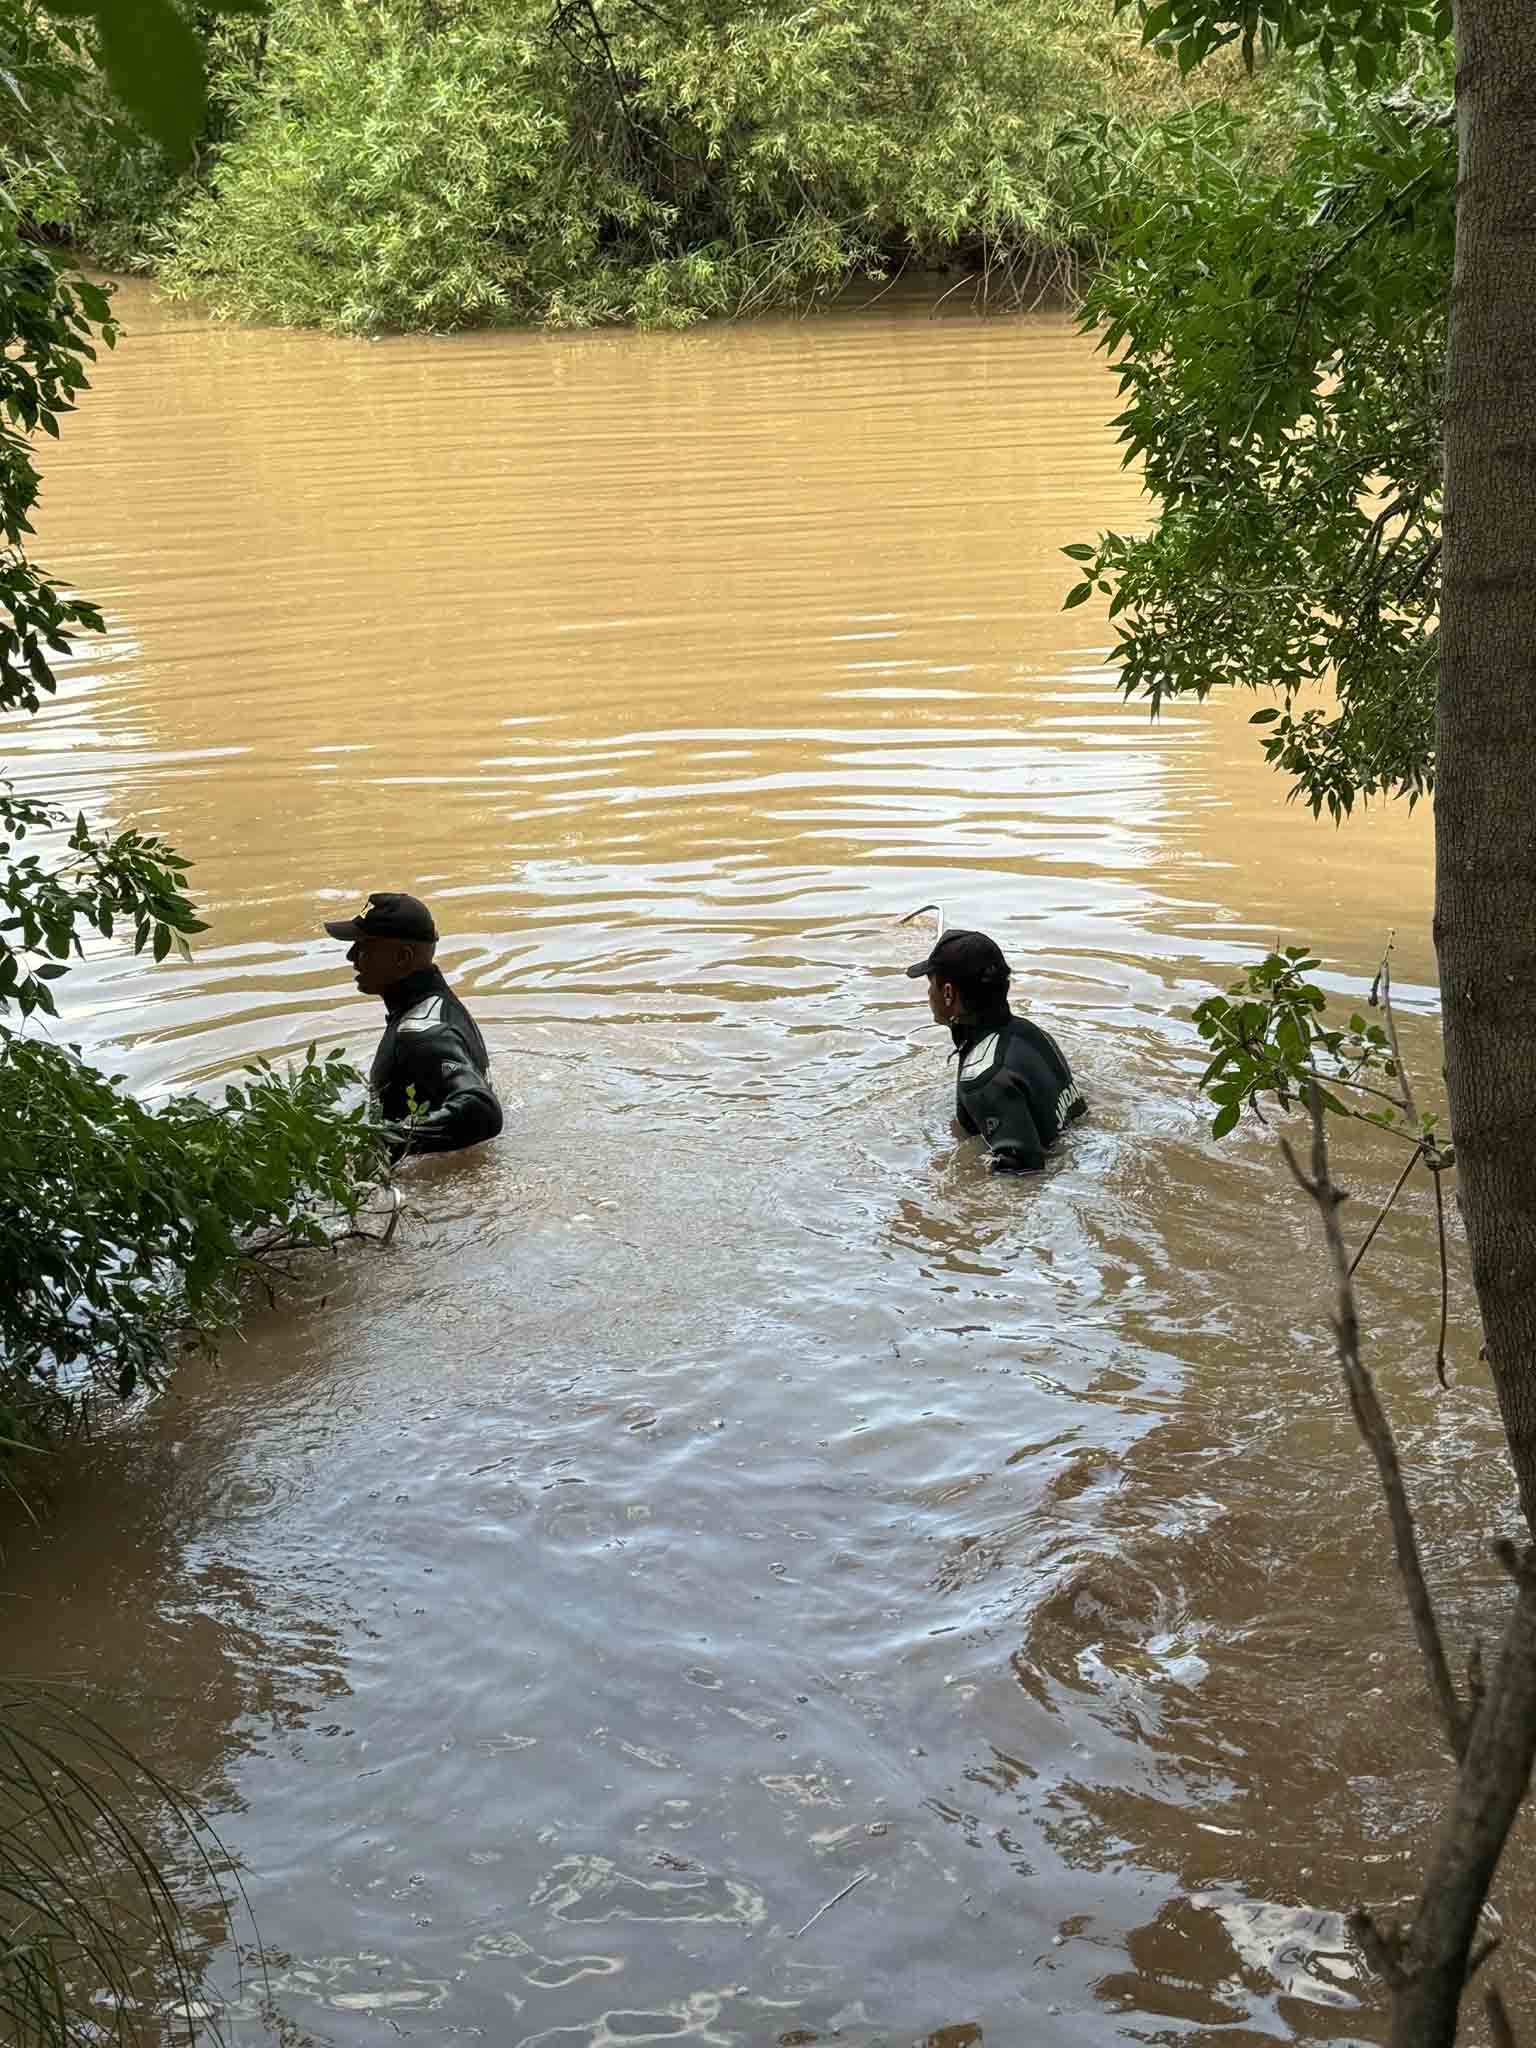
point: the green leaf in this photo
(154, 64)
(1225, 1119)
(1080, 551)
(1076, 596)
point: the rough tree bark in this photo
(1485, 798)
(1428, 1966)
(1427, 1961)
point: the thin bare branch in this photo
(1426, 563)
(852, 1885)
(1500, 2032)
(1489, 1946)
(1445, 1281)
(1371, 1420)
(1361, 1088)
(1382, 1212)
(1381, 992)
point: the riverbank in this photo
(410, 166)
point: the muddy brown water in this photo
(723, 1489)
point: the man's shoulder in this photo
(1048, 1066)
(427, 1015)
(1037, 1059)
(439, 1027)
(979, 1057)
(437, 1014)
(1024, 1032)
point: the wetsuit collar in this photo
(404, 995)
(965, 1030)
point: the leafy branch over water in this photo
(1273, 1045)
(1279, 340)
(123, 1228)
(1270, 1040)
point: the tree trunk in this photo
(1485, 798)
(1491, 1784)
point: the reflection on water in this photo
(726, 1501)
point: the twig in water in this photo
(852, 1885)
(495, 1464)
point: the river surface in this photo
(724, 1490)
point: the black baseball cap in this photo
(389, 915)
(967, 958)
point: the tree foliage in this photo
(114, 1255)
(1279, 342)
(435, 163)
(122, 1228)
(1271, 1040)
(151, 56)
(1365, 32)
(77, 165)
(1466, 217)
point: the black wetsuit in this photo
(432, 1046)
(1013, 1086)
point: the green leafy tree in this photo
(151, 56)
(1336, 408)
(123, 1229)
(1413, 520)
(436, 163)
(77, 166)
(1281, 341)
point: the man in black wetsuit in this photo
(1013, 1087)
(431, 1045)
